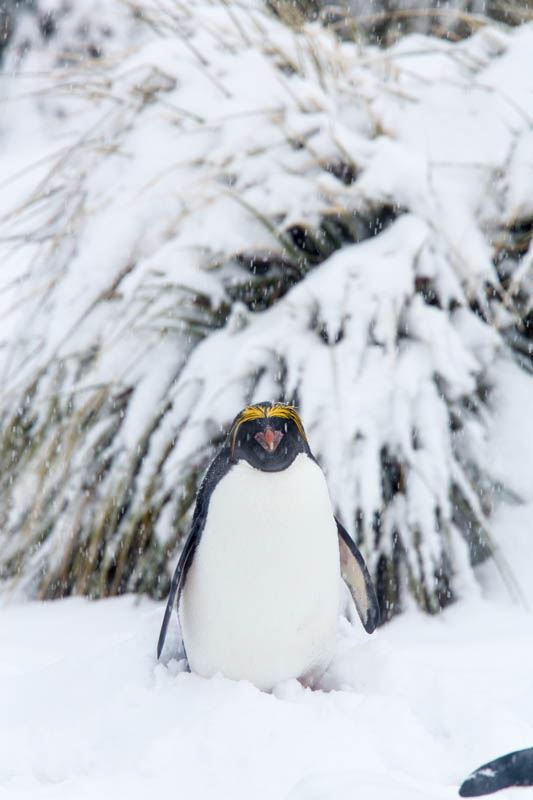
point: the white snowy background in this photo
(441, 129)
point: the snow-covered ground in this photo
(407, 713)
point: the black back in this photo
(513, 769)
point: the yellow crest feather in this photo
(262, 412)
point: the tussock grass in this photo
(102, 449)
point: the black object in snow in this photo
(513, 769)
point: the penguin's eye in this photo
(286, 427)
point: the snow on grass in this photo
(406, 713)
(186, 236)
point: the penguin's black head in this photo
(268, 436)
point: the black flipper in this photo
(358, 580)
(219, 466)
(177, 583)
(514, 769)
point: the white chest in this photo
(261, 597)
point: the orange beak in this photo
(269, 439)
